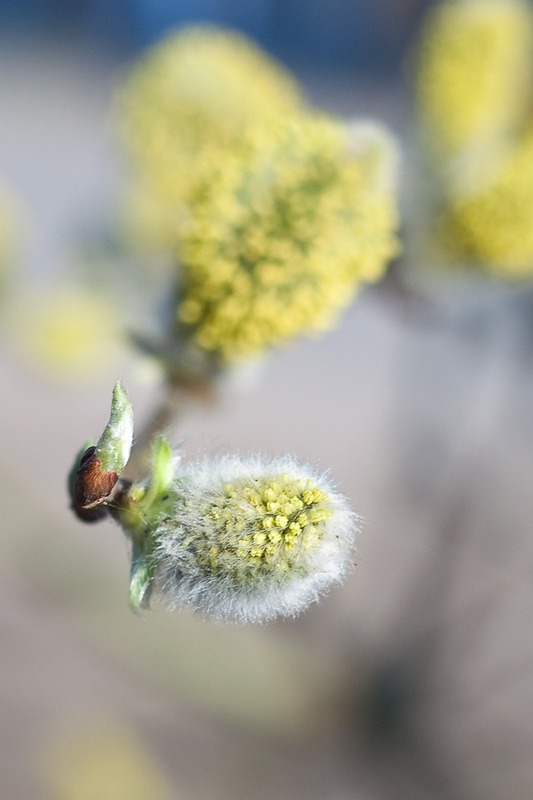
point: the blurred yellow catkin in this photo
(474, 94)
(67, 331)
(275, 213)
(193, 96)
(474, 72)
(279, 236)
(493, 224)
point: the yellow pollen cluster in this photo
(279, 237)
(474, 72)
(263, 526)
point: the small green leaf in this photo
(141, 579)
(162, 472)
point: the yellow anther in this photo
(319, 514)
(295, 528)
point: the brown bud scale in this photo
(94, 486)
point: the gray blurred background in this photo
(414, 679)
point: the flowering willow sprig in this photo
(275, 214)
(240, 539)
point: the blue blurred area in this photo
(363, 34)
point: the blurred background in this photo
(414, 679)
(360, 34)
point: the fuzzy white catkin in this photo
(247, 540)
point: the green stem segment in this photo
(138, 509)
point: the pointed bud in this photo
(114, 446)
(97, 471)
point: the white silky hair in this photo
(182, 581)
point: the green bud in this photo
(114, 445)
